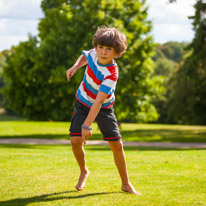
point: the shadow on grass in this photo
(140, 148)
(30, 146)
(96, 148)
(160, 135)
(165, 135)
(47, 136)
(37, 136)
(49, 198)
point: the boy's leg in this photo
(79, 153)
(79, 115)
(120, 161)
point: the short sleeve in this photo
(109, 84)
(86, 53)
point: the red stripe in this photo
(92, 76)
(91, 51)
(112, 77)
(113, 69)
(75, 133)
(111, 137)
(93, 96)
(109, 96)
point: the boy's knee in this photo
(116, 146)
(76, 141)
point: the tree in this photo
(188, 97)
(3, 56)
(173, 50)
(40, 89)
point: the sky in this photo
(18, 18)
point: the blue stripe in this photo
(107, 65)
(93, 67)
(108, 103)
(89, 87)
(81, 98)
(105, 89)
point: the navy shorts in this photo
(105, 119)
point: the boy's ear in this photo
(117, 55)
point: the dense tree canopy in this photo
(37, 85)
(188, 94)
(3, 56)
(165, 65)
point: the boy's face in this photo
(105, 54)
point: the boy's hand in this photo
(86, 134)
(71, 72)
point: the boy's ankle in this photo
(126, 183)
(84, 171)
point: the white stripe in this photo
(93, 84)
(93, 54)
(108, 99)
(109, 83)
(103, 70)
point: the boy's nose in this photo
(103, 51)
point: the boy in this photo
(95, 99)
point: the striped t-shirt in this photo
(97, 77)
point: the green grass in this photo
(46, 175)
(130, 132)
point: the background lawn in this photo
(46, 175)
(130, 132)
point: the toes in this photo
(79, 188)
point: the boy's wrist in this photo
(86, 127)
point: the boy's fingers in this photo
(68, 76)
(70, 73)
(84, 140)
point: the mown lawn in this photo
(46, 175)
(130, 132)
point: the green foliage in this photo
(164, 67)
(40, 90)
(3, 56)
(165, 64)
(167, 56)
(188, 96)
(2, 63)
(172, 50)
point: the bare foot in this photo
(82, 180)
(130, 189)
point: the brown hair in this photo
(111, 37)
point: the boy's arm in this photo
(81, 61)
(101, 96)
